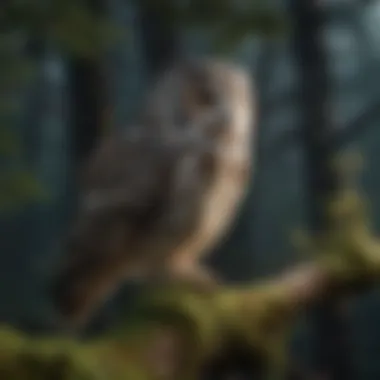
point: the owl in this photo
(156, 198)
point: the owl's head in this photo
(212, 96)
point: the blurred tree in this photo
(228, 22)
(334, 354)
(18, 185)
(160, 38)
(88, 90)
(231, 22)
(80, 31)
(40, 43)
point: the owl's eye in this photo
(206, 97)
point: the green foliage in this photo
(229, 22)
(73, 27)
(348, 244)
(17, 185)
(18, 188)
(9, 144)
(344, 205)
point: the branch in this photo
(178, 332)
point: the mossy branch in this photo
(178, 331)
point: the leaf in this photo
(263, 22)
(70, 24)
(9, 144)
(8, 106)
(18, 188)
(80, 32)
(228, 37)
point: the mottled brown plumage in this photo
(158, 197)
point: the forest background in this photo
(72, 69)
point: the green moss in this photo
(207, 321)
(22, 358)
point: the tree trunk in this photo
(332, 350)
(88, 102)
(86, 122)
(88, 105)
(88, 96)
(160, 42)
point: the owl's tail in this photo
(83, 284)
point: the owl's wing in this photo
(145, 176)
(125, 171)
(141, 197)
